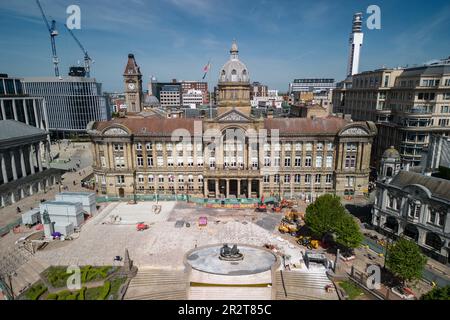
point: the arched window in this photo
(234, 75)
(411, 231)
(389, 172)
(434, 241)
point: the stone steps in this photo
(152, 284)
(302, 286)
(229, 293)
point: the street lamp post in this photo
(134, 187)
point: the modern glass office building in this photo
(72, 102)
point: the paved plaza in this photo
(163, 245)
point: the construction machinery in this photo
(53, 34)
(287, 227)
(290, 223)
(87, 58)
(308, 242)
(261, 208)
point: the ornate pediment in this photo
(233, 116)
(115, 132)
(355, 131)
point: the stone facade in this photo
(417, 207)
(22, 173)
(233, 155)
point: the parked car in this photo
(403, 292)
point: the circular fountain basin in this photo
(256, 260)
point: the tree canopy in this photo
(327, 215)
(437, 294)
(405, 260)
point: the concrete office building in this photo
(408, 106)
(170, 96)
(192, 98)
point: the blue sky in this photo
(278, 40)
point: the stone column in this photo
(15, 110)
(227, 192)
(47, 154)
(22, 163)
(217, 188)
(3, 164)
(13, 164)
(24, 104)
(205, 188)
(249, 188)
(261, 190)
(239, 188)
(38, 155)
(3, 110)
(30, 158)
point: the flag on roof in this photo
(206, 69)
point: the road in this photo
(427, 274)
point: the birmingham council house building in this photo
(234, 155)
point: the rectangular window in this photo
(308, 179)
(139, 147)
(276, 162)
(149, 161)
(298, 162)
(329, 163)
(276, 178)
(287, 178)
(319, 162)
(118, 147)
(297, 178)
(149, 146)
(329, 179)
(318, 178)
(119, 162)
(266, 179)
(287, 162)
(308, 162)
(140, 161)
(350, 162)
(120, 179)
(309, 147)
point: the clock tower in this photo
(133, 85)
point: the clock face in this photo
(131, 86)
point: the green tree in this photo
(405, 260)
(348, 232)
(437, 294)
(327, 215)
(321, 216)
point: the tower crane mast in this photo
(53, 34)
(87, 58)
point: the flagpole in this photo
(210, 100)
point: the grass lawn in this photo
(351, 289)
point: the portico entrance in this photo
(233, 188)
